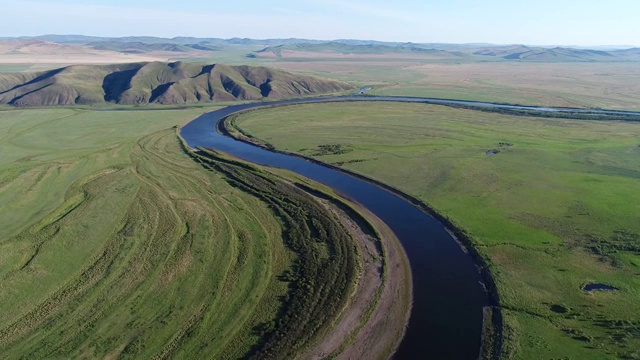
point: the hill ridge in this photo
(157, 82)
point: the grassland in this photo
(443, 74)
(347, 298)
(553, 209)
(115, 243)
(605, 85)
(43, 54)
(36, 55)
(134, 248)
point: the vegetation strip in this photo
(382, 317)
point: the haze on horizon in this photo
(545, 22)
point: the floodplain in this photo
(550, 203)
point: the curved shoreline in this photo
(377, 330)
(465, 242)
(472, 299)
(365, 328)
(526, 110)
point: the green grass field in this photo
(115, 243)
(555, 208)
(605, 85)
(546, 83)
(134, 247)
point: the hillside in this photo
(341, 48)
(181, 40)
(556, 54)
(632, 51)
(481, 52)
(134, 47)
(37, 51)
(157, 82)
(77, 49)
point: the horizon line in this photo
(2, 37)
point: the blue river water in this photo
(448, 294)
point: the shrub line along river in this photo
(451, 286)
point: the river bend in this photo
(448, 294)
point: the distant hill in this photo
(157, 82)
(632, 51)
(38, 47)
(556, 54)
(354, 47)
(38, 51)
(135, 47)
(294, 47)
(181, 40)
(479, 52)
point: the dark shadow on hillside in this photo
(265, 89)
(231, 86)
(45, 76)
(16, 99)
(116, 83)
(158, 91)
(206, 70)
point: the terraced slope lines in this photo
(115, 243)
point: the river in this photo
(448, 294)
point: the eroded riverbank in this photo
(374, 316)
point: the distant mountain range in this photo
(188, 41)
(191, 47)
(133, 47)
(466, 52)
(348, 48)
(521, 52)
(84, 40)
(157, 82)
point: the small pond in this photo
(595, 286)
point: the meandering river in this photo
(448, 294)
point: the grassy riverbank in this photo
(137, 250)
(368, 317)
(551, 203)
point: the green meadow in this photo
(131, 244)
(114, 242)
(584, 85)
(552, 204)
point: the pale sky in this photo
(542, 22)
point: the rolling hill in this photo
(41, 48)
(157, 82)
(632, 51)
(134, 47)
(38, 51)
(526, 53)
(342, 48)
(294, 48)
(480, 52)
(179, 40)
